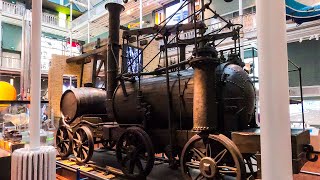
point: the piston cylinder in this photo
(205, 116)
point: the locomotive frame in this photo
(204, 150)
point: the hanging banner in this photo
(301, 11)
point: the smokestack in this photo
(111, 68)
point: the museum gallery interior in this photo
(154, 89)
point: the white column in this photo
(241, 31)
(71, 9)
(274, 90)
(88, 21)
(140, 13)
(34, 124)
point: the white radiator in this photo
(38, 164)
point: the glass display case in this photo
(14, 121)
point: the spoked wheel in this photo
(135, 153)
(213, 157)
(83, 144)
(64, 141)
(108, 144)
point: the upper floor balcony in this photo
(14, 64)
(15, 13)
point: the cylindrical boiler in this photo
(80, 101)
(237, 95)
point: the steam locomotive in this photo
(188, 115)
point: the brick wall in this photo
(59, 68)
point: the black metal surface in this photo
(111, 66)
(64, 141)
(237, 89)
(135, 153)
(80, 101)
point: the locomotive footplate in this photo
(248, 142)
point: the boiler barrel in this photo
(81, 101)
(236, 89)
(154, 93)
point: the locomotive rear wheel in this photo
(83, 144)
(135, 153)
(64, 141)
(212, 157)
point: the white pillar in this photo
(274, 90)
(88, 21)
(241, 31)
(71, 9)
(34, 124)
(140, 13)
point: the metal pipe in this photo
(34, 124)
(81, 75)
(195, 28)
(113, 52)
(71, 7)
(241, 34)
(168, 91)
(301, 96)
(140, 8)
(89, 21)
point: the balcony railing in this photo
(249, 23)
(20, 10)
(14, 9)
(9, 63)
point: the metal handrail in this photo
(20, 10)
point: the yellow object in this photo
(69, 163)
(1, 143)
(85, 169)
(7, 93)
(7, 145)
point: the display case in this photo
(14, 121)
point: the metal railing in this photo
(20, 10)
(249, 23)
(95, 12)
(15, 9)
(15, 64)
(10, 63)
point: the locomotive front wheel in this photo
(135, 153)
(212, 157)
(83, 144)
(64, 141)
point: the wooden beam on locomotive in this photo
(82, 57)
(213, 37)
(167, 29)
(94, 45)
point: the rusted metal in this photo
(170, 29)
(111, 67)
(80, 101)
(82, 57)
(205, 109)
